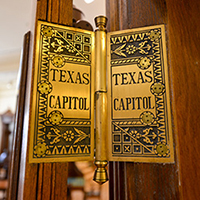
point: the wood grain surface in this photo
(42, 181)
(19, 116)
(184, 58)
(180, 180)
(131, 181)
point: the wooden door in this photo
(180, 180)
(36, 181)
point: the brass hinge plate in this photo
(62, 115)
(138, 96)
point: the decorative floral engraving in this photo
(47, 31)
(144, 63)
(68, 135)
(154, 35)
(157, 89)
(81, 135)
(59, 45)
(55, 117)
(119, 50)
(147, 135)
(40, 150)
(143, 48)
(135, 134)
(54, 134)
(161, 149)
(70, 48)
(131, 49)
(58, 61)
(44, 87)
(147, 117)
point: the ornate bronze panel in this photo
(62, 121)
(138, 96)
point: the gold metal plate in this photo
(62, 107)
(138, 96)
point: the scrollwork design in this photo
(146, 136)
(143, 48)
(68, 135)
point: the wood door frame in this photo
(165, 181)
(38, 181)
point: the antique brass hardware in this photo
(101, 157)
(139, 113)
(62, 118)
(124, 72)
(100, 175)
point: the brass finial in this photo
(101, 22)
(100, 175)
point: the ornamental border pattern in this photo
(127, 141)
(76, 130)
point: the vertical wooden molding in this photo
(19, 116)
(43, 181)
(179, 180)
(185, 71)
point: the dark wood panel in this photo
(184, 57)
(46, 181)
(152, 181)
(134, 13)
(55, 11)
(140, 180)
(117, 181)
(42, 10)
(43, 181)
(60, 177)
(65, 15)
(182, 179)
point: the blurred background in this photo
(15, 21)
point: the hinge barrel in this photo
(100, 175)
